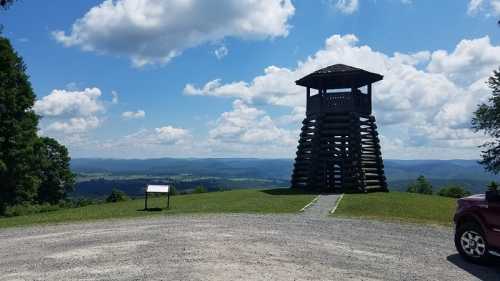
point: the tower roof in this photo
(338, 76)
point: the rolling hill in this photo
(98, 176)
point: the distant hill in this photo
(98, 176)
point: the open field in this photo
(399, 206)
(235, 247)
(238, 201)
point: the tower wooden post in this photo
(339, 148)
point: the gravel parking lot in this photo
(234, 247)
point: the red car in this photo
(477, 234)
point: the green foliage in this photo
(57, 180)
(18, 131)
(117, 196)
(4, 4)
(493, 186)
(421, 185)
(32, 169)
(29, 209)
(399, 206)
(200, 189)
(487, 119)
(454, 191)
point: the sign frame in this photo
(151, 188)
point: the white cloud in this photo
(71, 111)
(474, 6)
(249, 131)
(155, 31)
(426, 98)
(69, 103)
(139, 114)
(470, 61)
(170, 135)
(347, 6)
(115, 97)
(74, 125)
(221, 52)
(162, 141)
(351, 6)
(490, 7)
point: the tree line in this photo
(33, 169)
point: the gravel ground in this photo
(234, 247)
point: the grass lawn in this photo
(398, 206)
(238, 201)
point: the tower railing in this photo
(339, 102)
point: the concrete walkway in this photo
(322, 206)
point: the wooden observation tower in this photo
(339, 148)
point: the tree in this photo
(6, 3)
(493, 186)
(117, 196)
(421, 185)
(18, 130)
(200, 189)
(487, 119)
(454, 191)
(55, 174)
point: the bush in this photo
(454, 191)
(27, 209)
(421, 185)
(117, 196)
(493, 186)
(200, 189)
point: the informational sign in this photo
(158, 188)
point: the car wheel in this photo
(471, 243)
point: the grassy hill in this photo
(398, 206)
(240, 201)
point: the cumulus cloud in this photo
(74, 125)
(155, 31)
(470, 61)
(491, 7)
(347, 6)
(426, 98)
(139, 114)
(246, 130)
(170, 135)
(69, 103)
(71, 111)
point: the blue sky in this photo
(177, 78)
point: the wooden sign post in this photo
(157, 189)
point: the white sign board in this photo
(158, 188)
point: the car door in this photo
(493, 220)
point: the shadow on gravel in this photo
(485, 273)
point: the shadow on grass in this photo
(289, 191)
(485, 273)
(152, 210)
(296, 191)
